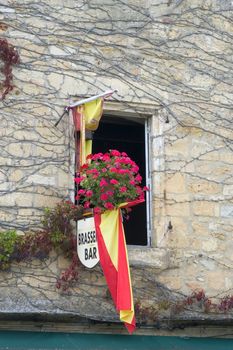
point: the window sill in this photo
(149, 257)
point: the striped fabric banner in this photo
(114, 262)
(86, 117)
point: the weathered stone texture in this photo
(175, 55)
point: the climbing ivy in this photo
(8, 244)
(9, 56)
(57, 234)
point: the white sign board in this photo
(87, 243)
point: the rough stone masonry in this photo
(174, 55)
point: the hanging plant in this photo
(9, 56)
(108, 180)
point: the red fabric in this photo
(118, 281)
(108, 268)
(131, 326)
(76, 119)
(124, 297)
(132, 203)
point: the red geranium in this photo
(109, 179)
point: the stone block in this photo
(178, 209)
(177, 239)
(176, 183)
(171, 282)
(7, 200)
(205, 208)
(20, 149)
(42, 180)
(216, 280)
(55, 80)
(226, 156)
(149, 257)
(44, 201)
(228, 190)
(227, 211)
(204, 187)
(178, 148)
(16, 175)
(23, 199)
(200, 228)
(65, 180)
(210, 245)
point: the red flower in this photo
(123, 189)
(97, 210)
(79, 179)
(106, 157)
(138, 178)
(145, 188)
(87, 205)
(123, 171)
(89, 193)
(115, 153)
(114, 182)
(81, 192)
(109, 193)
(135, 169)
(84, 166)
(103, 196)
(103, 182)
(97, 156)
(109, 205)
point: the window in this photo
(129, 135)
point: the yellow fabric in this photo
(88, 148)
(92, 112)
(109, 229)
(82, 137)
(127, 315)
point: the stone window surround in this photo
(142, 255)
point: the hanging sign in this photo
(87, 243)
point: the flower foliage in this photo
(107, 180)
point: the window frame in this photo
(146, 113)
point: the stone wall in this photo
(175, 56)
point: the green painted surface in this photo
(33, 340)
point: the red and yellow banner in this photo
(114, 262)
(109, 226)
(86, 117)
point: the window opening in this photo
(128, 135)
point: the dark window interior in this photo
(126, 136)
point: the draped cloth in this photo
(114, 261)
(85, 117)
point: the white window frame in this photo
(144, 112)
